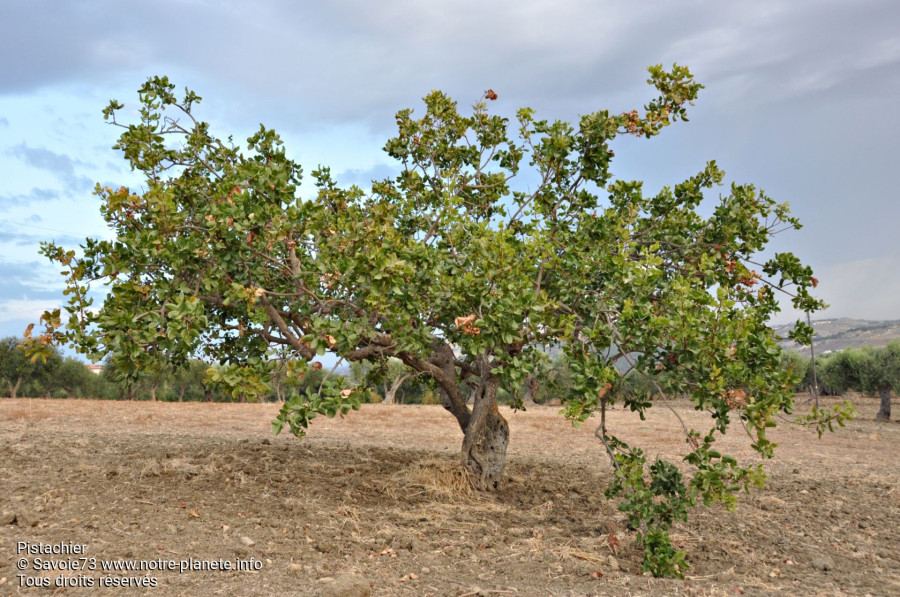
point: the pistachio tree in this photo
(456, 269)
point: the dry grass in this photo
(445, 481)
(26, 413)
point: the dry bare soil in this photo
(375, 505)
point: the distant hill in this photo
(843, 332)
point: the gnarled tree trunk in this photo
(884, 413)
(486, 437)
(485, 431)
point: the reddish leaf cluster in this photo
(736, 398)
(466, 324)
(632, 122)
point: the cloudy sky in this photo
(800, 99)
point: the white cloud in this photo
(867, 288)
(25, 309)
(862, 289)
(879, 53)
(788, 86)
(60, 165)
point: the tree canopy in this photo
(454, 269)
(15, 368)
(868, 369)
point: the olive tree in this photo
(26, 376)
(390, 375)
(801, 367)
(882, 375)
(14, 366)
(73, 378)
(455, 269)
(875, 371)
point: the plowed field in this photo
(375, 504)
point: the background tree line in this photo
(874, 371)
(67, 377)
